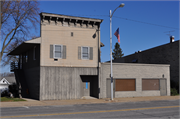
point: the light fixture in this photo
(121, 5)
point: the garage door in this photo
(150, 84)
(125, 85)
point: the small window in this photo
(34, 53)
(71, 33)
(86, 85)
(85, 52)
(57, 51)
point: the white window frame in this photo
(34, 53)
(82, 53)
(54, 51)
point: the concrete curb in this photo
(31, 102)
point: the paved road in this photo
(148, 109)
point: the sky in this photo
(142, 24)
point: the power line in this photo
(90, 15)
(88, 30)
(169, 32)
(146, 23)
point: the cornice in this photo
(64, 20)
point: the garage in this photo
(134, 80)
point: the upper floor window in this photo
(85, 52)
(58, 51)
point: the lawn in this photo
(8, 99)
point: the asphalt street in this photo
(165, 109)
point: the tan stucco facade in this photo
(59, 33)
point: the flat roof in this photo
(137, 64)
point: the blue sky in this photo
(134, 20)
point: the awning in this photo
(26, 45)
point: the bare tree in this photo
(6, 74)
(10, 58)
(18, 17)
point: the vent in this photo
(171, 39)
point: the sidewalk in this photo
(31, 102)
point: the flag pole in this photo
(111, 75)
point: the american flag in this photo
(117, 35)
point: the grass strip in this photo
(8, 99)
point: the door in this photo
(163, 87)
(86, 88)
(90, 85)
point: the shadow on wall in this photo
(90, 85)
(174, 87)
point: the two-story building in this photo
(64, 63)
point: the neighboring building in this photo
(5, 82)
(164, 54)
(64, 63)
(134, 80)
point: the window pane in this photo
(57, 54)
(85, 50)
(57, 48)
(85, 56)
(85, 53)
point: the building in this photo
(5, 82)
(64, 63)
(163, 54)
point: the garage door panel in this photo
(125, 85)
(150, 84)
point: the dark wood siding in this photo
(125, 85)
(31, 63)
(150, 84)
